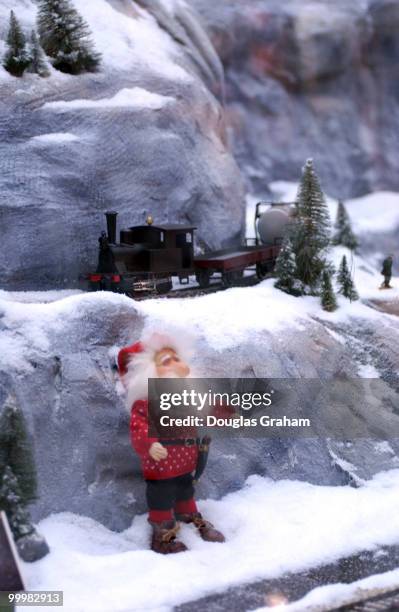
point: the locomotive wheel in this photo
(261, 270)
(229, 278)
(203, 278)
(164, 287)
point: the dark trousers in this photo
(169, 495)
(387, 280)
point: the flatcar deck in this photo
(243, 257)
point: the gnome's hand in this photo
(157, 451)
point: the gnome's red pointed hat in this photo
(126, 354)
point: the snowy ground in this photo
(220, 318)
(271, 528)
(41, 297)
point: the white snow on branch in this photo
(271, 528)
(131, 98)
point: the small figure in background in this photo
(387, 272)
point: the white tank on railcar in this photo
(272, 224)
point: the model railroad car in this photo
(146, 257)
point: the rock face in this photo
(146, 134)
(311, 79)
(56, 360)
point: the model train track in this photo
(191, 292)
(293, 587)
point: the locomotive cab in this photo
(167, 248)
(146, 257)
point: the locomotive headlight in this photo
(149, 220)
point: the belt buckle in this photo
(188, 442)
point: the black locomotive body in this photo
(147, 257)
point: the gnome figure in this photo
(167, 465)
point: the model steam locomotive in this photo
(147, 256)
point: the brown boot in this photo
(206, 529)
(164, 538)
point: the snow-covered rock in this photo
(57, 359)
(146, 134)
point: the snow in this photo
(368, 371)
(137, 42)
(55, 138)
(135, 97)
(284, 191)
(347, 467)
(221, 318)
(366, 274)
(374, 212)
(32, 297)
(384, 447)
(171, 6)
(271, 528)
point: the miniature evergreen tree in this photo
(343, 231)
(18, 483)
(16, 59)
(285, 267)
(311, 231)
(328, 300)
(12, 503)
(346, 284)
(37, 63)
(65, 37)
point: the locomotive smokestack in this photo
(111, 225)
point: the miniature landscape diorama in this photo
(227, 171)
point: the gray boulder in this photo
(32, 547)
(57, 362)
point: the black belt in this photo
(181, 442)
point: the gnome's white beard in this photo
(142, 366)
(136, 381)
